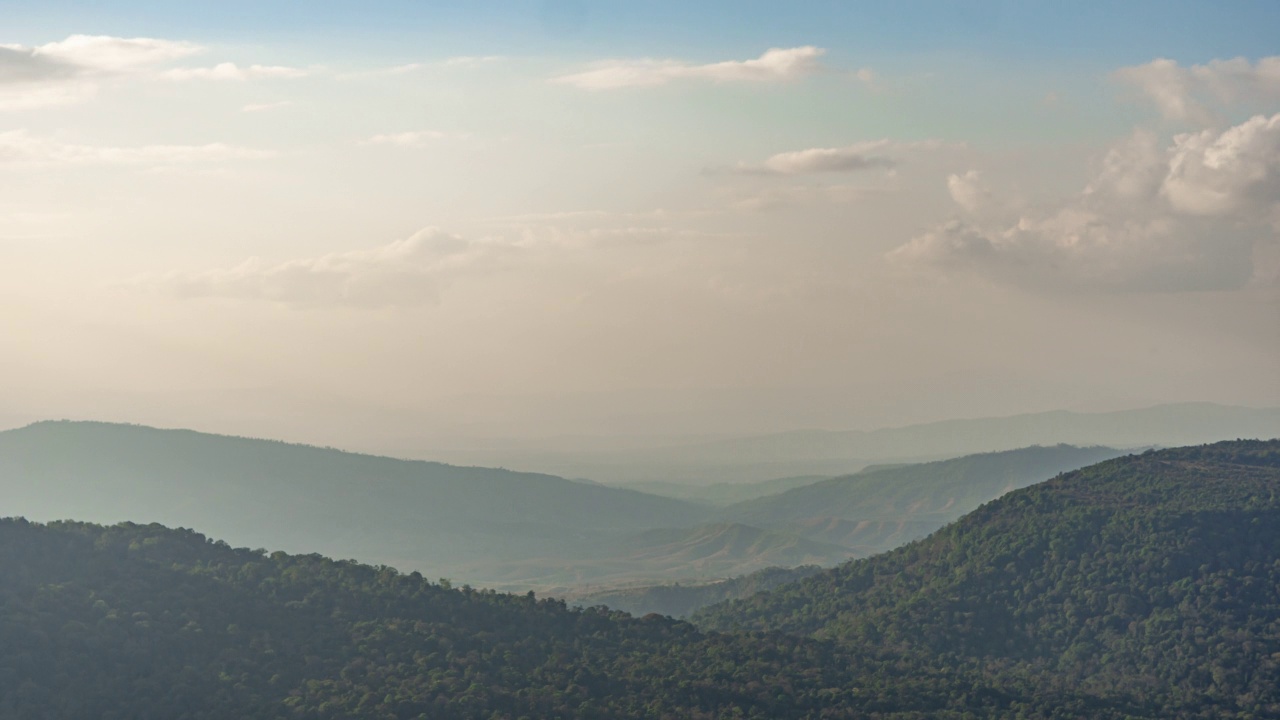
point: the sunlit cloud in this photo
(68, 71)
(1194, 93)
(850, 158)
(775, 65)
(231, 71)
(263, 107)
(410, 139)
(20, 147)
(407, 272)
(1183, 216)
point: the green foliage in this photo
(883, 507)
(1152, 579)
(679, 601)
(139, 621)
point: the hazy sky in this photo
(344, 222)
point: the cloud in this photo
(412, 272)
(969, 192)
(850, 158)
(1188, 94)
(773, 198)
(411, 139)
(231, 71)
(775, 65)
(87, 54)
(1187, 216)
(460, 61)
(67, 71)
(20, 147)
(408, 272)
(262, 107)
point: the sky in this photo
(356, 224)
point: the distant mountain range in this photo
(881, 508)
(490, 527)
(840, 452)
(440, 519)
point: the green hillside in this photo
(144, 622)
(1153, 578)
(680, 600)
(882, 508)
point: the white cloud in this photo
(1233, 173)
(406, 272)
(231, 71)
(1188, 94)
(92, 54)
(411, 139)
(68, 71)
(18, 146)
(775, 65)
(859, 156)
(1188, 216)
(969, 192)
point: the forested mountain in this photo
(679, 600)
(1154, 578)
(446, 521)
(143, 622)
(1143, 587)
(881, 508)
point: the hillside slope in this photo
(144, 622)
(1153, 577)
(882, 508)
(441, 519)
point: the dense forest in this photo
(1154, 578)
(1142, 587)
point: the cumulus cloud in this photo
(71, 70)
(859, 156)
(1186, 216)
(408, 272)
(231, 71)
(1189, 94)
(775, 65)
(412, 272)
(67, 71)
(20, 147)
(87, 54)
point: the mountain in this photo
(680, 600)
(145, 622)
(840, 452)
(440, 519)
(728, 548)
(1151, 579)
(695, 554)
(723, 493)
(1143, 587)
(881, 508)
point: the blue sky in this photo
(1097, 34)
